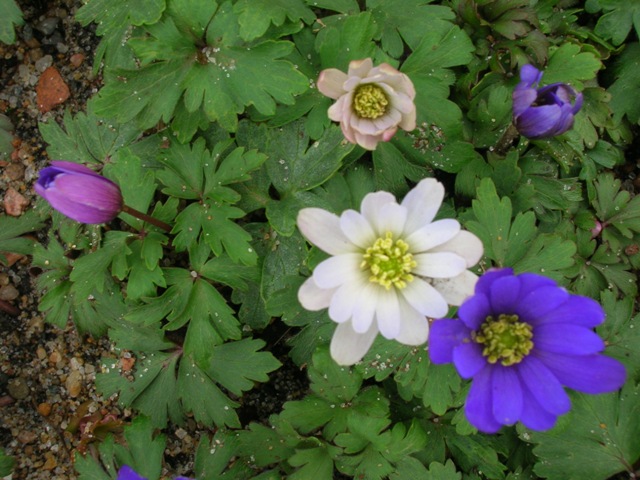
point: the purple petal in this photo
(585, 373)
(538, 122)
(128, 473)
(468, 359)
(490, 276)
(543, 386)
(72, 167)
(577, 310)
(474, 311)
(533, 281)
(504, 295)
(533, 415)
(530, 75)
(446, 334)
(84, 198)
(479, 407)
(568, 339)
(540, 301)
(507, 395)
(523, 98)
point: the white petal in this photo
(357, 229)
(414, 329)
(457, 289)
(365, 308)
(465, 244)
(392, 218)
(346, 298)
(432, 234)
(330, 82)
(348, 347)
(388, 313)
(368, 142)
(371, 205)
(313, 297)
(425, 299)
(423, 203)
(339, 111)
(335, 271)
(439, 265)
(322, 228)
(360, 68)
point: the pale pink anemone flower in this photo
(392, 266)
(372, 102)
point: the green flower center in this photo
(389, 262)
(370, 101)
(506, 339)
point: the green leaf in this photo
(407, 20)
(215, 457)
(89, 272)
(474, 452)
(616, 23)
(11, 230)
(201, 396)
(237, 365)
(6, 463)
(596, 440)
(621, 331)
(315, 462)
(10, 16)
(346, 38)
(567, 64)
(152, 390)
(627, 72)
(146, 448)
(255, 16)
(87, 138)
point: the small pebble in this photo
(73, 383)
(8, 293)
(25, 437)
(44, 409)
(18, 388)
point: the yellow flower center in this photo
(505, 339)
(370, 101)
(389, 262)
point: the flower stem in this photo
(509, 135)
(143, 216)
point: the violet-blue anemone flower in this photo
(543, 112)
(79, 193)
(128, 473)
(522, 338)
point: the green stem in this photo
(509, 135)
(144, 217)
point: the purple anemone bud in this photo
(79, 193)
(543, 112)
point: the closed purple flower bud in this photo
(543, 112)
(79, 193)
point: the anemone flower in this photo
(372, 102)
(392, 266)
(522, 339)
(543, 112)
(79, 193)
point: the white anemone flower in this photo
(392, 266)
(372, 102)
